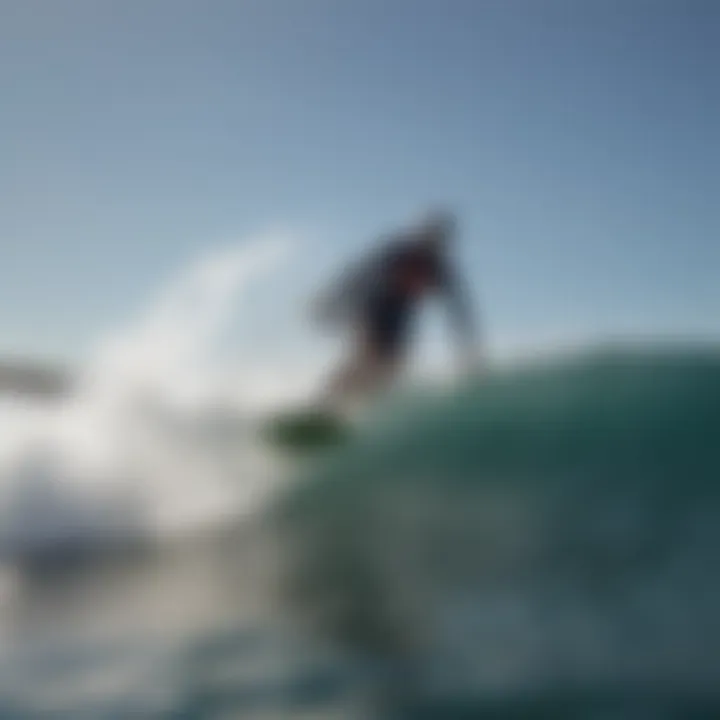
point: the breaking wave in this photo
(153, 438)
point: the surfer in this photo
(377, 300)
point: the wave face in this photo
(547, 531)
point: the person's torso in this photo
(411, 271)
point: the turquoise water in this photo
(546, 532)
(541, 542)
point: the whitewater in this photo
(155, 439)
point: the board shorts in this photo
(386, 325)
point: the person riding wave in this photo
(378, 299)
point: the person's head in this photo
(437, 228)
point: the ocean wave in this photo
(549, 526)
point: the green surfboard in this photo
(306, 430)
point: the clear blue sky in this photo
(579, 141)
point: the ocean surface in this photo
(539, 542)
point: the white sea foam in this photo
(154, 437)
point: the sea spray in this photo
(138, 447)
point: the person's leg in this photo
(380, 341)
(359, 374)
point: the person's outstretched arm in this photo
(464, 318)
